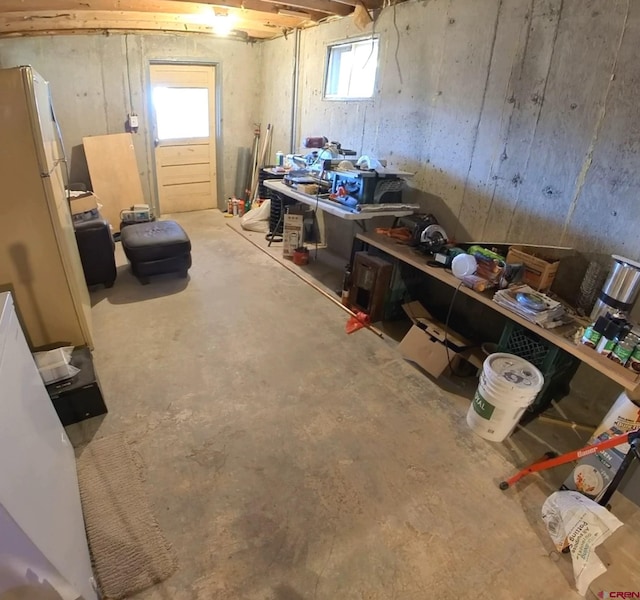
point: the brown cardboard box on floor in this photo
(424, 344)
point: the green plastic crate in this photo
(557, 366)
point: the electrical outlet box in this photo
(133, 121)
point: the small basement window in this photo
(181, 113)
(351, 70)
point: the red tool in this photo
(550, 460)
(357, 321)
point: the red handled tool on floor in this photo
(550, 460)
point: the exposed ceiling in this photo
(251, 19)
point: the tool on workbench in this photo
(365, 187)
(433, 239)
(427, 235)
(415, 224)
(444, 258)
(402, 234)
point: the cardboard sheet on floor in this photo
(114, 174)
(424, 344)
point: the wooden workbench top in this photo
(562, 337)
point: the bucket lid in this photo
(513, 372)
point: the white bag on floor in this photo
(257, 219)
(573, 518)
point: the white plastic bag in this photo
(257, 219)
(577, 520)
(53, 365)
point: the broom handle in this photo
(260, 164)
(254, 161)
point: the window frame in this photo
(327, 62)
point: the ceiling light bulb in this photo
(223, 24)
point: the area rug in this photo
(128, 549)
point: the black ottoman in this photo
(155, 248)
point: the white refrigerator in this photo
(43, 545)
(39, 259)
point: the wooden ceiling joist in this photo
(370, 4)
(261, 19)
(254, 6)
(180, 6)
(326, 6)
(12, 23)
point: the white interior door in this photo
(184, 113)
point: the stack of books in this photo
(533, 306)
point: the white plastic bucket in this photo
(508, 385)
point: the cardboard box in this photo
(293, 234)
(424, 344)
(539, 272)
(84, 207)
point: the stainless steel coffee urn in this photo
(621, 288)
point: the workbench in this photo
(329, 206)
(562, 337)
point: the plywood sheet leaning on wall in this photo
(114, 174)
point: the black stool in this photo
(156, 248)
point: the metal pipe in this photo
(294, 91)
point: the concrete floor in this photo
(287, 460)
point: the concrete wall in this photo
(276, 92)
(519, 117)
(89, 85)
